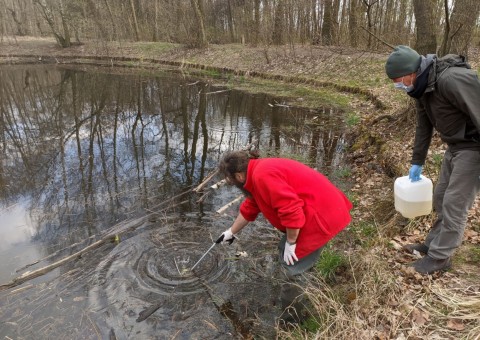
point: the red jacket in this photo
(292, 195)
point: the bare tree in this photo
(63, 38)
(459, 26)
(327, 27)
(370, 22)
(353, 22)
(200, 19)
(426, 38)
(18, 23)
(278, 36)
(256, 22)
(135, 21)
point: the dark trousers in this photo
(292, 299)
(457, 187)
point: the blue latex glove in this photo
(415, 172)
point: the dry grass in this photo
(376, 304)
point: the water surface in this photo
(85, 152)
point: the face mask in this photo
(401, 86)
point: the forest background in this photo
(342, 44)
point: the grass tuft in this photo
(329, 262)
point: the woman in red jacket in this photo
(295, 199)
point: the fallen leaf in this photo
(395, 245)
(420, 317)
(455, 324)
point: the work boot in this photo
(429, 265)
(420, 247)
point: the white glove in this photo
(289, 253)
(228, 236)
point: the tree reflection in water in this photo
(87, 148)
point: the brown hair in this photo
(235, 161)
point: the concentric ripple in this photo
(166, 268)
(153, 269)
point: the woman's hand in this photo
(289, 253)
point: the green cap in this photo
(402, 61)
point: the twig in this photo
(217, 92)
(202, 198)
(21, 289)
(175, 335)
(205, 181)
(176, 265)
(94, 326)
(373, 35)
(218, 184)
(247, 147)
(228, 205)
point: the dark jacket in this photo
(451, 105)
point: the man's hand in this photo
(289, 253)
(415, 172)
(226, 237)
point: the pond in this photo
(90, 152)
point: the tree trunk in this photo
(426, 39)
(278, 37)
(230, 21)
(63, 41)
(353, 28)
(370, 22)
(199, 15)
(65, 25)
(458, 31)
(327, 28)
(18, 22)
(135, 22)
(256, 25)
(114, 26)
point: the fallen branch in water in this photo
(54, 254)
(39, 272)
(211, 189)
(228, 205)
(106, 232)
(111, 235)
(205, 181)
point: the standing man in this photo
(295, 199)
(447, 95)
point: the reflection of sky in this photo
(126, 163)
(16, 231)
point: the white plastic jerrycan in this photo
(413, 199)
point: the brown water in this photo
(90, 151)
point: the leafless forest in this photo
(430, 25)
